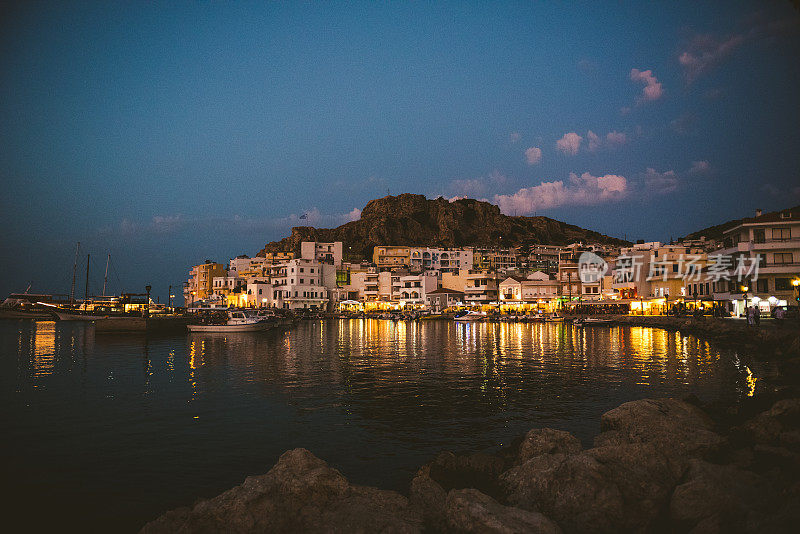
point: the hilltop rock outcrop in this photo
(409, 219)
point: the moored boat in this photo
(238, 321)
(470, 316)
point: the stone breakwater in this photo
(658, 465)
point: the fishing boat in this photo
(469, 316)
(589, 321)
(238, 321)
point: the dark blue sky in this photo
(168, 133)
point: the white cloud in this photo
(660, 183)
(570, 143)
(476, 187)
(353, 215)
(533, 155)
(652, 90)
(470, 187)
(583, 190)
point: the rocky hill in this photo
(409, 219)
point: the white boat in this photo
(238, 321)
(470, 316)
(555, 318)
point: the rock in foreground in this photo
(300, 494)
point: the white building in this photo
(413, 288)
(771, 242)
(330, 253)
(426, 259)
(298, 284)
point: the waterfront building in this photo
(481, 288)
(537, 291)
(274, 258)
(440, 299)
(440, 260)
(298, 284)
(494, 258)
(455, 280)
(542, 258)
(413, 289)
(772, 242)
(201, 280)
(391, 257)
(246, 267)
(329, 253)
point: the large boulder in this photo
(428, 497)
(469, 510)
(720, 497)
(300, 493)
(459, 471)
(606, 489)
(547, 441)
(675, 427)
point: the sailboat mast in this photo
(105, 278)
(86, 293)
(74, 270)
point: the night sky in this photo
(165, 133)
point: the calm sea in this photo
(106, 432)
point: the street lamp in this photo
(745, 289)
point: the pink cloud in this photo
(514, 137)
(570, 143)
(594, 140)
(699, 167)
(533, 155)
(583, 190)
(616, 138)
(652, 87)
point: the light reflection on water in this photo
(117, 429)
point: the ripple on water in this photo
(134, 426)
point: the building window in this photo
(782, 234)
(782, 257)
(762, 285)
(782, 284)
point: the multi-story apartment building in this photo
(764, 256)
(655, 270)
(414, 288)
(424, 259)
(330, 253)
(481, 287)
(494, 258)
(542, 258)
(298, 284)
(537, 290)
(201, 280)
(391, 257)
(246, 267)
(440, 299)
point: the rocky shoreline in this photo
(658, 465)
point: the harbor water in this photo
(106, 432)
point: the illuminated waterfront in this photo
(115, 430)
